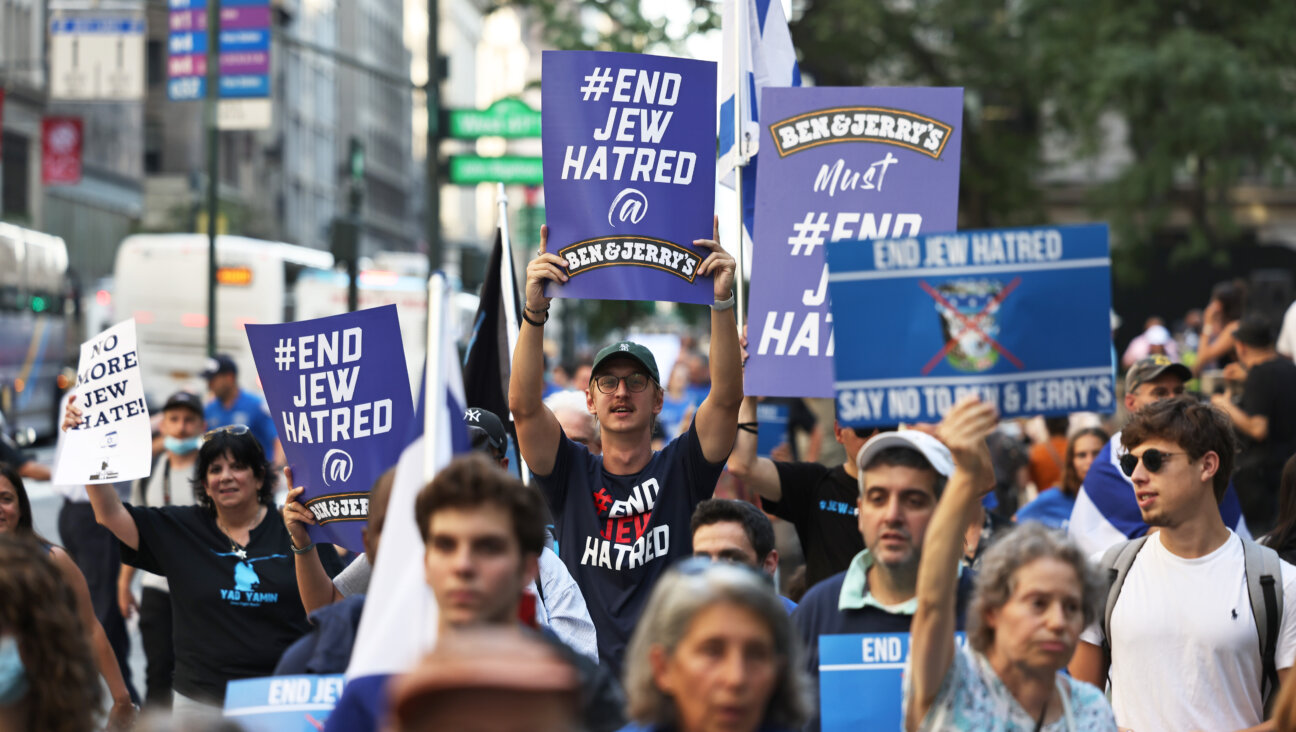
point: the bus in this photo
(38, 338)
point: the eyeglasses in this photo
(234, 429)
(608, 383)
(1153, 460)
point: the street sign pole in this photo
(212, 103)
(432, 159)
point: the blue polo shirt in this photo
(248, 409)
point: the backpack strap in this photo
(1116, 562)
(1263, 572)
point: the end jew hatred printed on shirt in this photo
(629, 171)
(339, 393)
(1018, 317)
(848, 164)
(114, 440)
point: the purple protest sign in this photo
(838, 164)
(339, 393)
(629, 173)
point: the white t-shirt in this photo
(1287, 336)
(1185, 652)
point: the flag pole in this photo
(740, 153)
(434, 377)
(510, 299)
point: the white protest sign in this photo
(114, 440)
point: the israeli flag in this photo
(1107, 513)
(399, 622)
(762, 46)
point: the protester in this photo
(1047, 463)
(1154, 339)
(230, 405)
(621, 517)
(1265, 413)
(234, 600)
(561, 607)
(714, 651)
(47, 673)
(1283, 538)
(16, 520)
(726, 530)
(483, 536)
(1106, 511)
(1219, 321)
(13, 455)
(569, 407)
(1179, 645)
(901, 476)
(169, 484)
(1033, 596)
(489, 679)
(1053, 507)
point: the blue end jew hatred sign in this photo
(283, 703)
(339, 392)
(1019, 317)
(629, 173)
(861, 678)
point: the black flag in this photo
(486, 365)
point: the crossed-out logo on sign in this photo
(861, 124)
(640, 251)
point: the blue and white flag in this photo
(762, 47)
(400, 616)
(1107, 513)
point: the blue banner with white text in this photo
(339, 392)
(283, 703)
(1019, 317)
(861, 678)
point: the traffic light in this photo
(357, 160)
(345, 239)
(38, 304)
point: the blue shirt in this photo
(248, 409)
(1051, 508)
(363, 702)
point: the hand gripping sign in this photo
(339, 393)
(629, 172)
(1016, 316)
(849, 164)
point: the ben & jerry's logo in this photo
(639, 251)
(861, 124)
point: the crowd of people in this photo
(1054, 574)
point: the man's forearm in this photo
(526, 377)
(726, 362)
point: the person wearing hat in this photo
(1106, 511)
(1265, 412)
(232, 405)
(622, 517)
(901, 476)
(170, 484)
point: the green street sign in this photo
(509, 169)
(505, 118)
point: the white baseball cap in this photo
(930, 447)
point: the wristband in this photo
(536, 323)
(537, 312)
(720, 305)
(748, 427)
(303, 550)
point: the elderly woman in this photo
(714, 650)
(1034, 594)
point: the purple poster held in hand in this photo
(340, 396)
(838, 164)
(629, 173)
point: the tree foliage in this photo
(613, 25)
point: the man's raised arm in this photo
(538, 430)
(717, 416)
(758, 473)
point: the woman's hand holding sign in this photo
(719, 264)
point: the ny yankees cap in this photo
(486, 421)
(221, 363)
(184, 399)
(1152, 367)
(628, 349)
(930, 447)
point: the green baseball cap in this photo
(630, 350)
(1152, 367)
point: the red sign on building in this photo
(61, 151)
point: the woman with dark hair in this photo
(16, 520)
(1219, 320)
(234, 600)
(1034, 594)
(714, 650)
(1053, 506)
(47, 673)
(1283, 538)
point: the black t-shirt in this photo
(232, 618)
(822, 503)
(1270, 390)
(618, 533)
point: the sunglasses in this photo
(1153, 459)
(608, 383)
(234, 429)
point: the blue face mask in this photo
(13, 675)
(182, 447)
